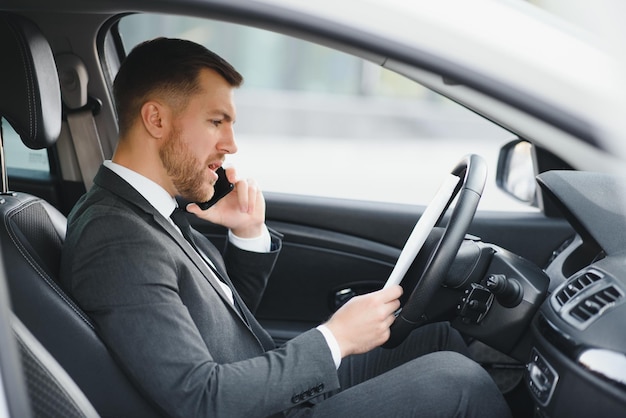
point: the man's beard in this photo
(188, 174)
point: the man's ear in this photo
(154, 116)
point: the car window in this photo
(312, 120)
(19, 156)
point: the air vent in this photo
(575, 286)
(592, 306)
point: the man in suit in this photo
(178, 315)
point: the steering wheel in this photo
(473, 171)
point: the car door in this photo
(334, 249)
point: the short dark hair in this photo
(167, 68)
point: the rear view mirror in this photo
(516, 171)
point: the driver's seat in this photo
(32, 231)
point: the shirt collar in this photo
(156, 195)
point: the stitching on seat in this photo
(35, 265)
(30, 83)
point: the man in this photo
(176, 313)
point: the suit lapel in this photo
(262, 336)
(243, 313)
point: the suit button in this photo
(296, 398)
(319, 388)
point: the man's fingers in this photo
(390, 294)
(242, 195)
(231, 174)
(253, 192)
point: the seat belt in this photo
(80, 111)
(86, 143)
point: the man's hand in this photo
(363, 322)
(242, 210)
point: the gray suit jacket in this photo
(158, 308)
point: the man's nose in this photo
(227, 142)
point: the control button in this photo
(473, 307)
(541, 378)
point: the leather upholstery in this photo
(32, 232)
(30, 95)
(52, 391)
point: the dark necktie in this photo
(180, 219)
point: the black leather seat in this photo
(32, 232)
(51, 391)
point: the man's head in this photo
(167, 69)
(175, 97)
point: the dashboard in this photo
(577, 366)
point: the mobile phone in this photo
(222, 187)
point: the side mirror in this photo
(516, 171)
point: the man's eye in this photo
(216, 122)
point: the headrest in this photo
(30, 96)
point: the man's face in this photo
(201, 136)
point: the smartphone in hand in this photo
(222, 188)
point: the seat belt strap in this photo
(86, 142)
(80, 112)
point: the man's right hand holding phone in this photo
(242, 210)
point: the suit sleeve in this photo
(123, 275)
(250, 271)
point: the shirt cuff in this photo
(260, 244)
(332, 344)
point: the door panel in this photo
(312, 271)
(332, 244)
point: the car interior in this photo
(497, 291)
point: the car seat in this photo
(32, 231)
